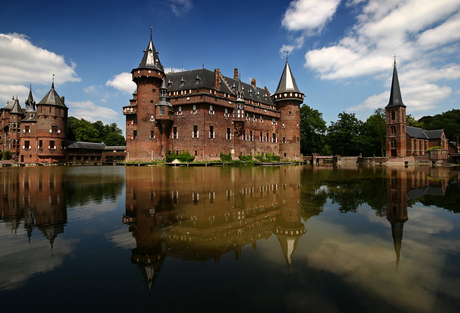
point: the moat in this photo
(230, 239)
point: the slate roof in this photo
(52, 98)
(117, 148)
(16, 109)
(287, 82)
(395, 94)
(30, 117)
(150, 59)
(204, 78)
(416, 132)
(9, 104)
(85, 145)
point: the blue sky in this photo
(341, 52)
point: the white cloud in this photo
(284, 49)
(309, 15)
(23, 63)
(122, 82)
(8, 91)
(447, 32)
(180, 7)
(90, 111)
(412, 28)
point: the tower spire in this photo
(395, 95)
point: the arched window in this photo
(393, 114)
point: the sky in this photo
(341, 52)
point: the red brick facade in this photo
(208, 114)
(35, 135)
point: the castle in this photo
(36, 134)
(403, 140)
(206, 113)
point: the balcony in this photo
(129, 110)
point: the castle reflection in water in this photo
(36, 199)
(199, 214)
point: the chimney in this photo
(235, 73)
(63, 99)
(216, 79)
(253, 82)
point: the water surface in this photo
(273, 239)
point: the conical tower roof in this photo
(395, 95)
(30, 103)
(52, 98)
(150, 59)
(287, 82)
(16, 109)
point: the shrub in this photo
(268, 158)
(7, 155)
(433, 148)
(225, 157)
(245, 157)
(184, 157)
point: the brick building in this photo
(36, 133)
(206, 113)
(403, 140)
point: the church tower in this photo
(148, 121)
(395, 120)
(288, 99)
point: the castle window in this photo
(267, 139)
(195, 133)
(162, 110)
(393, 144)
(228, 135)
(26, 144)
(393, 114)
(40, 144)
(274, 139)
(393, 129)
(54, 129)
(180, 108)
(261, 137)
(27, 129)
(283, 125)
(284, 139)
(152, 118)
(135, 134)
(212, 134)
(251, 138)
(52, 146)
(152, 136)
(175, 133)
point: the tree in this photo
(312, 129)
(411, 121)
(449, 121)
(83, 130)
(344, 135)
(374, 133)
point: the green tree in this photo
(411, 121)
(83, 130)
(449, 121)
(344, 136)
(312, 129)
(374, 133)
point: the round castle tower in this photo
(288, 99)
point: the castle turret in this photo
(288, 99)
(51, 127)
(142, 130)
(395, 120)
